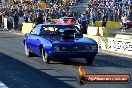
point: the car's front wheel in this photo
(45, 56)
(89, 60)
(27, 51)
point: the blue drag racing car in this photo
(59, 41)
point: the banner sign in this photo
(120, 45)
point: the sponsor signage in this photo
(84, 78)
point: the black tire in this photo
(89, 60)
(27, 51)
(45, 56)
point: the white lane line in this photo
(2, 85)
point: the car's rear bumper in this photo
(73, 54)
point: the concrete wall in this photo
(27, 27)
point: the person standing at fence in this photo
(116, 15)
(93, 20)
(5, 22)
(10, 22)
(124, 22)
(39, 19)
(130, 14)
(83, 21)
(27, 17)
(1, 19)
(104, 20)
(16, 20)
(21, 19)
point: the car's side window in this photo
(42, 32)
(35, 31)
(45, 30)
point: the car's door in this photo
(34, 40)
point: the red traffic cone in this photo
(98, 34)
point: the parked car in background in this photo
(59, 41)
(129, 24)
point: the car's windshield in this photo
(58, 29)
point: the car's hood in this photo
(59, 40)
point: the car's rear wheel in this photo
(27, 51)
(89, 60)
(45, 56)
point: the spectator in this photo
(39, 19)
(21, 19)
(10, 22)
(83, 21)
(112, 8)
(124, 22)
(104, 20)
(16, 20)
(27, 17)
(116, 15)
(93, 20)
(1, 17)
